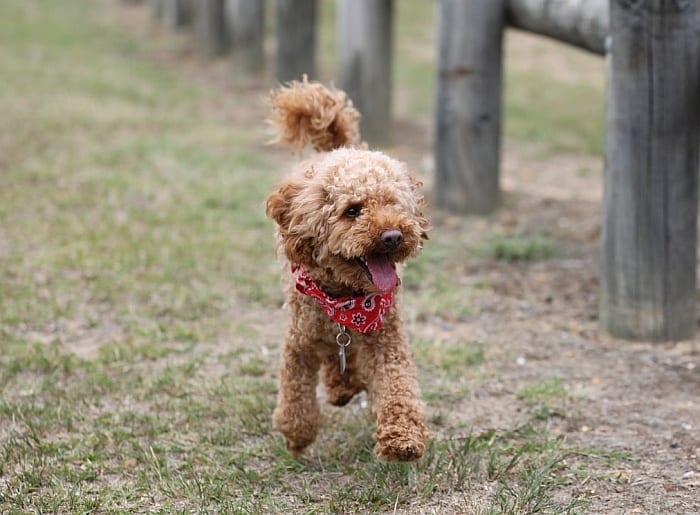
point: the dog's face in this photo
(350, 216)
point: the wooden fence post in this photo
(176, 13)
(210, 26)
(156, 8)
(296, 39)
(365, 63)
(651, 188)
(468, 124)
(246, 20)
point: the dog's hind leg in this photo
(341, 387)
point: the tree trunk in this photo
(468, 139)
(651, 190)
(364, 52)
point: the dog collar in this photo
(363, 313)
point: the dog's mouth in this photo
(380, 270)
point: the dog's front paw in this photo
(299, 432)
(401, 438)
(400, 449)
(294, 447)
(405, 442)
(296, 444)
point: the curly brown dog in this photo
(347, 218)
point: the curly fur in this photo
(308, 113)
(334, 208)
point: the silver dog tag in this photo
(343, 339)
(342, 359)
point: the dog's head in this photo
(350, 216)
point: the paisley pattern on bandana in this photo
(364, 313)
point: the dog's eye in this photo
(352, 212)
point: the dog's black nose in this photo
(391, 238)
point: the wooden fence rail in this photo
(582, 23)
(469, 85)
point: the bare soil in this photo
(540, 319)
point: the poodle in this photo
(347, 219)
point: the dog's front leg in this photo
(297, 413)
(393, 393)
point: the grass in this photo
(452, 358)
(520, 248)
(562, 117)
(138, 284)
(545, 398)
(548, 389)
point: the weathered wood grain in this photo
(296, 39)
(468, 117)
(649, 233)
(582, 23)
(245, 22)
(210, 27)
(365, 62)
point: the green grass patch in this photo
(545, 398)
(452, 358)
(545, 390)
(561, 116)
(430, 279)
(522, 456)
(520, 248)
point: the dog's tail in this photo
(310, 113)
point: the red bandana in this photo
(363, 313)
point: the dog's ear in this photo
(423, 222)
(280, 202)
(298, 248)
(421, 204)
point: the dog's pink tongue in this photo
(383, 274)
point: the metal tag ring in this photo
(339, 339)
